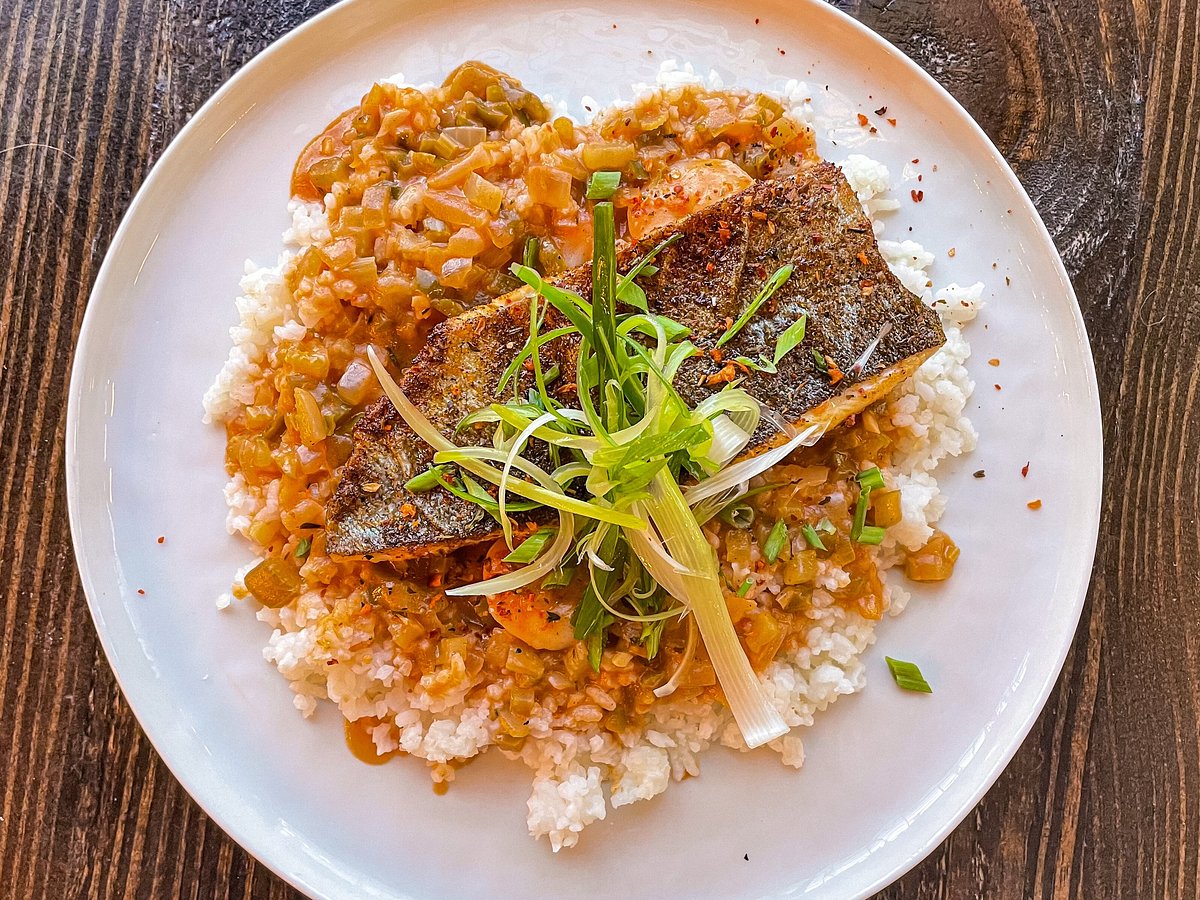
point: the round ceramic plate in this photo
(888, 773)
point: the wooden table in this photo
(1096, 103)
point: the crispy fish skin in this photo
(706, 279)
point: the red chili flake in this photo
(408, 510)
(708, 267)
(140, 591)
(435, 580)
(567, 388)
(996, 386)
(161, 538)
(758, 214)
(727, 374)
(881, 111)
(331, 662)
(892, 122)
(782, 52)
(817, 238)
(993, 362)
(835, 374)
(717, 354)
(918, 196)
(980, 474)
(1034, 504)
(862, 258)
(770, 226)
(756, 20)
(863, 120)
(915, 161)
(1025, 470)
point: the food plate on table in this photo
(827, 368)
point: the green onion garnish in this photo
(530, 257)
(737, 515)
(789, 339)
(775, 541)
(559, 577)
(782, 274)
(908, 676)
(860, 514)
(434, 476)
(825, 526)
(303, 547)
(871, 534)
(603, 185)
(819, 361)
(529, 548)
(810, 535)
(871, 479)
(745, 586)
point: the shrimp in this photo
(685, 187)
(539, 617)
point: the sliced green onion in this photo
(871, 534)
(775, 541)
(789, 339)
(529, 548)
(737, 515)
(434, 476)
(825, 526)
(871, 479)
(530, 257)
(810, 535)
(745, 587)
(559, 577)
(860, 514)
(908, 675)
(603, 185)
(782, 274)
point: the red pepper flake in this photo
(161, 539)
(408, 510)
(996, 386)
(567, 388)
(708, 267)
(142, 592)
(917, 196)
(915, 161)
(435, 580)
(726, 375)
(892, 122)
(862, 258)
(758, 214)
(1025, 470)
(993, 362)
(835, 374)
(782, 52)
(331, 662)
(717, 354)
(874, 130)
(863, 120)
(1034, 504)
(770, 226)
(756, 20)
(980, 474)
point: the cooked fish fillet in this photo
(705, 280)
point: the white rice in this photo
(572, 771)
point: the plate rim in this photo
(247, 838)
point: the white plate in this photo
(888, 773)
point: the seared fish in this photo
(705, 280)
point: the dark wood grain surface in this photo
(1096, 103)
